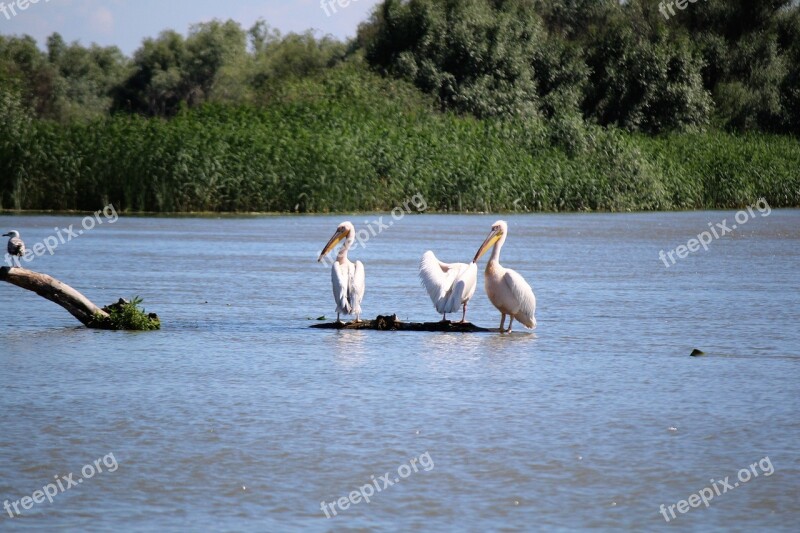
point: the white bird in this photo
(16, 248)
(450, 285)
(347, 277)
(507, 290)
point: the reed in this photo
(352, 141)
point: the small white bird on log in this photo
(507, 290)
(16, 248)
(450, 285)
(347, 277)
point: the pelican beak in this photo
(493, 237)
(337, 237)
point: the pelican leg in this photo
(464, 315)
(502, 322)
(358, 319)
(444, 317)
(511, 321)
(338, 320)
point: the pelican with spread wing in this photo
(450, 285)
(507, 290)
(347, 277)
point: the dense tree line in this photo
(727, 63)
(479, 105)
(732, 64)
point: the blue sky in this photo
(126, 22)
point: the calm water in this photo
(238, 417)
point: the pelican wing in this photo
(523, 297)
(340, 279)
(463, 288)
(355, 292)
(437, 278)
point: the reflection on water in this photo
(237, 415)
(351, 349)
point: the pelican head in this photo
(498, 233)
(12, 234)
(346, 230)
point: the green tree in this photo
(644, 79)
(280, 59)
(789, 41)
(748, 61)
(156, 84)
(473, 55)
(25, 70)
(15, 128)
(210, 48)
(86, 77)
(170, 71)
(573, 20)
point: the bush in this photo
(128, 316)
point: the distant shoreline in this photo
(232, 215)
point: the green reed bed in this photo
(360, 143)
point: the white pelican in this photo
(347, 277)
(507, 290)
(450, 285)
(16, 248)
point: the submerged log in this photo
(391, 323)
(70, 299)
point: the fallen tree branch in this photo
(390, 323)
(70, 299)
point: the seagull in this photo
(16, 248)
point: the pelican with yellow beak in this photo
(507, 290)
(347, 277)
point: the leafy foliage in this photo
(68, 83)
(351, 140)
(479, 105)
(171, 70)
(129, 316)
(644, 85)
(474, 55)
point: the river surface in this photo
(238, 417)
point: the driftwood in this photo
(390, 323)
(45, 286)
(70, 299)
